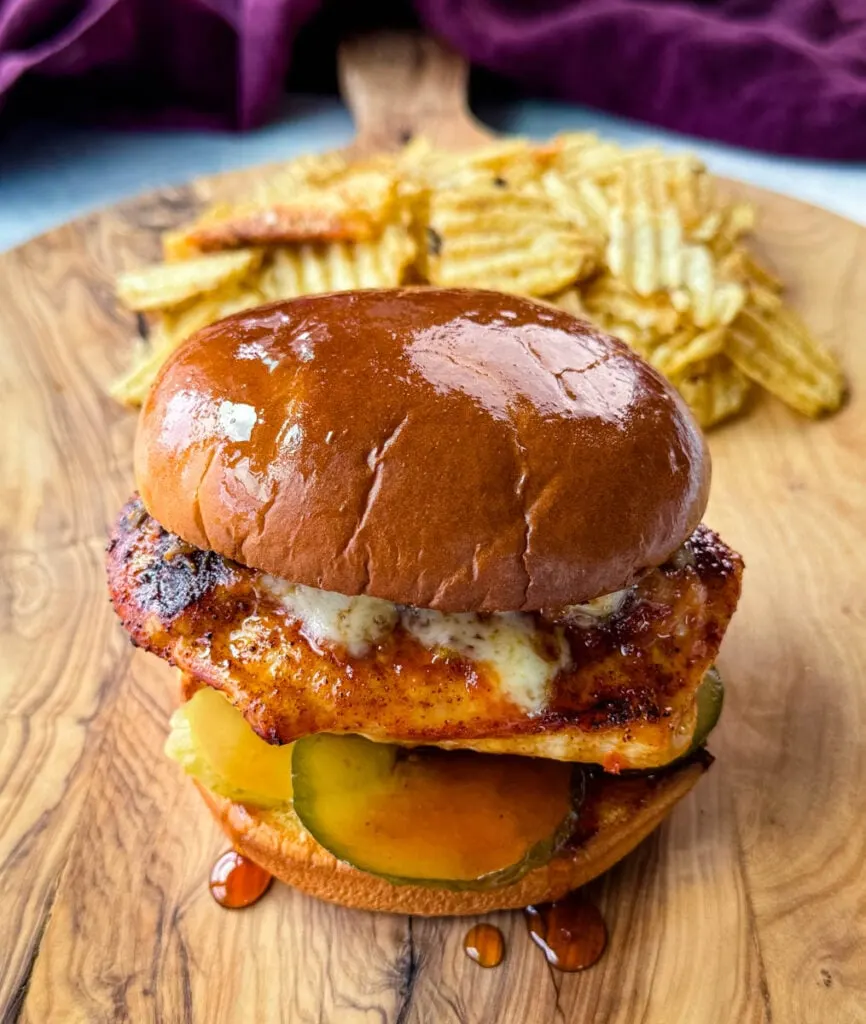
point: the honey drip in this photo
(570, 932)
(237, 882)
(485, 945)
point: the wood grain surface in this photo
(749, 905)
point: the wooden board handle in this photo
(401, 84)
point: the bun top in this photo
(449, 448)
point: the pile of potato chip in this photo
(637, 241)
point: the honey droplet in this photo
(236, 881)
(570, 932)
(485, 944)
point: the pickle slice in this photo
(710, 698)
(456, 819)
(213, 742)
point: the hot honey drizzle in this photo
(485, 945)
(570, 932)
(236, 881)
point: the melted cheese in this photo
(509, 643)
(354, 622)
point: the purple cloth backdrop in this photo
(781, 75)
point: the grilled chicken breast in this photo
(621, 691)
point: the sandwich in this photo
(431, 565)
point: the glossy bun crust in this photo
(284, 848)
(456, 449)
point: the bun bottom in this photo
(626, 810)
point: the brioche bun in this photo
(455, 449)
(626, 812)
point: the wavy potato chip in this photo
(284, 273)
(740, 262)
(131, 389)
(639, 241)
(174, 327)
(709, 298)
(714, 391)
(579, 156)
(583, 203)
(770, 344)
(171, 284)
(311, 169)
(611, 299)
(512, 240)
(571, 301)
(292, 271)
(725, 226)
(673, 185)
(682, 352)
(348, 203)
(508, 162)
(652, 209)
(652, 256)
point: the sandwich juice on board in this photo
(431, 564)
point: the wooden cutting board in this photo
(748, 905)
